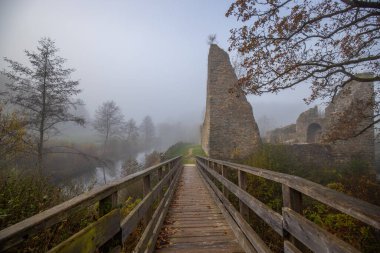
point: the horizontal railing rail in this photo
(291, 225)
(110, 225)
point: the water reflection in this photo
(95, 177)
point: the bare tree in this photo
(109, 122)
(131, 131)
(324, 44)
(44, 90)
(147, 131)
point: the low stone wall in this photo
(312, 155)
(323, 155)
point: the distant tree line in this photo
(39, 98)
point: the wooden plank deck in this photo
(194, 222)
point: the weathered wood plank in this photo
(158, 224)
(243, 241)
(293, 200)
(273, 219)
(232, 246)
(146, 190)
(314, 237)
(147, 234)
(93, 236)
(130, 222)
(178, 226)
(361, 210)
(199, 250)
(212, 238)
(224, 174)
(198, 230)
(251, 235)
(201, 233)
(290, 248)
(30, 226)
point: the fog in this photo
(150, 57)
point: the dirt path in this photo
(189, 158)
(190, 153)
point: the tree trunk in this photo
(40, 151)
(42, 122)
(104, 152)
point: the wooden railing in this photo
(110, 231)
(296, 230)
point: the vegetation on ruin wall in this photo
(353, 179)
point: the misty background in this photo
(150, 57)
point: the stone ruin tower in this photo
(229, 130)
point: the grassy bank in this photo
(188, 150)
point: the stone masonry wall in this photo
(340, 115)
(229, 130)
(356, 96)
(312, 155)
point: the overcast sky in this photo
(150, 57)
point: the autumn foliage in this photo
(324, 44)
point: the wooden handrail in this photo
(106, 196)
(359, 209)
(293, 187)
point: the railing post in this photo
(146, 190)
(105, 206)
(242, 180)
(293, 200)
(159, 175)
(224, 174)
(213, 168)
(173, 167)
(146, 185)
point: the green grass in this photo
(187, 150)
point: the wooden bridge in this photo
(188, 209)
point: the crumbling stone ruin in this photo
(307, 129)
(315, 127)
(229, 130)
